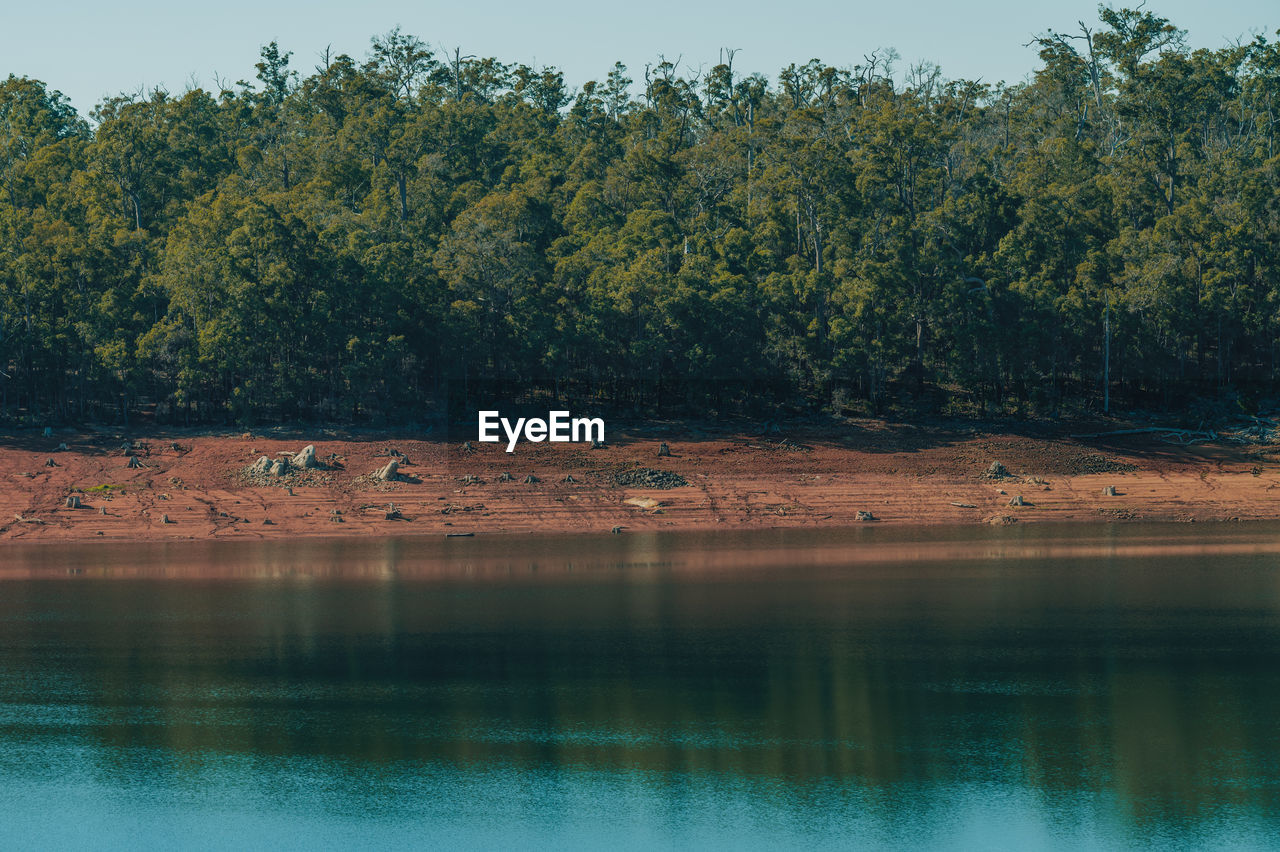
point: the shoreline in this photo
(903, 475)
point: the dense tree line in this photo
(348, 243)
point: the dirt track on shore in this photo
(812, 478)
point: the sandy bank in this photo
(190, 485)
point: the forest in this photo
(363, 240)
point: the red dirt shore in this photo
(816, 477)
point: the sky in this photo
(89, 50)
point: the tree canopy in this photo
(347, 242)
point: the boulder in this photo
(305, 459)
(1018, 501)
(261, 467)
(388, 472)
(865, 516)
(279, 467)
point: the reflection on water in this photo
(864, 688)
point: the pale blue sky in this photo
(90, 49)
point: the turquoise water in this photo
(987, 689)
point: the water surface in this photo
(874, 688)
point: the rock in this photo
(62, 448)
(616, 530)
(73, 502)
(50, 463)
(997, 471)
(1109, 491)
(569, 478)
(467, 448)
(506, 477)
(392, 513)
(305, 459)
(267, 522)
(647, 477)
(663, 450)
(279, 467)
(261, 467)
(134, 462)
(102, 510)
(388, 472)
(597, 445)
(531, 479)
(1018, 501)
(164, 519)
(1001, 520)
(865, 516)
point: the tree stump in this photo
(1109, 491)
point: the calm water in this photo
(878, 688)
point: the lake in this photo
(996, 688)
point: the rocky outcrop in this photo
(305, 459)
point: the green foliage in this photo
(341, 245)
